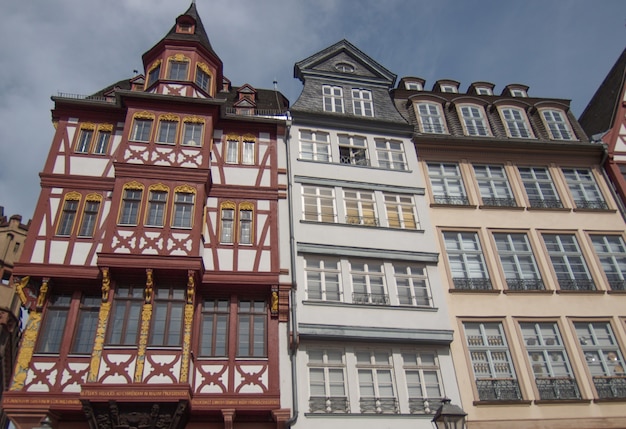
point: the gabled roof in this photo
(323, 64)
(599, 115)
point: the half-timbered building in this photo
(152, 271)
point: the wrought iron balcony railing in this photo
(593, 205)
(545, 203)
(499, 202)
(337, 404)
(610, 387)
(616, 282)
(557, 388)
(239, 111)
(451, 200)
(370, 298)
(498, 389)
(472, 284)
(525, 284)
(379, 405)
(362, 220)
(576, 284)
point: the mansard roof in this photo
(599, 115)
(335, 62)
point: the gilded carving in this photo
(190, 286)
(234, 137)
(184, 370)
(179, 57)
(144, 115)
(249, 138)
(26, 351)
(73, 196)
(55, 124)
(134, 185)
(194, 119)
(105, 127)
(88, 126)
(93, 197)
(96, 354)
(159, 187)
(202, 66)
(185, 188)
(106, 284)
(274, 302)
(43, 291)
(154, 65)
(169, 117)
(146, 315)
(228, 205)
(149, 286)
(19, 288)
(246, 206)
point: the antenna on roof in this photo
(275, 85)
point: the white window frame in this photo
(333, 381)
(518, 93)
(474, 120)
(446, 183)
(518, 261)
(362, 102)
(516, 122)
(494, 186)
(539, 187)
(390, 154)
(584, 189)
(377, 392)
(611, 251)
(557, 124)
(483, 90)
(423, 380)
(368, 282)
(360, 207)
(400, 211)
(184, 203)
(319, 197)
(568, 262)
(413, 86)
(323, 278)
(412, 285)
(430, 118)
(317, 145)
(192, 133)
(167, 132)
(466, 260)
(332, 98)
(101, 145)
(353, 150)
(449, 89)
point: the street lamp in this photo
(449, 416)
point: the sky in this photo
(560, 49)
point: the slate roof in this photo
(599, 115)
(265, 99)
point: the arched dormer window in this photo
(430, 118)
(515, 122)
(474, 120)
(557, 124)
(178, 67)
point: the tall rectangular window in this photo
(214, 328)
(390, 154)
(126, 315)
(332, 98)
(178, 70)
(153, 75)
(87, 324)
(247, 152)
(157, 201)
(584, 189)
(515, 122)
(227, 221)
(66, 224)
(245, 226)
(183, 209)
(474, 121)
(611, 251)
(327, 382)
(376, 389)
(362, 102)
(192, 134)
(491, 361)
(318, 203)
(400, 211)
(494, 186)
(568, 262)
(518, 262)
(557, 125)
(53, 325)
(421, 371)
(352, 150)
(430, 118)
(447, 184)
(90, 217)
(603, 357)
(314, 145)
(412, 284)
(252, 333)
(167, 317)
(141, 130)
(368, 283)
(548, 358)
(232, 151)
(360, 208)
(84, 141)
(167, 132)
(322, 278)
(467, 264)
(539, 187)
(203, 80)
(102, 143)
(130, 206)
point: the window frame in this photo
(415, 279)
(169, 135)
(584, 188)
(309, 197)
(68, 214)
(86, 324)
(103, 140)
(85, 138)
(183, 210)
(403, 209)
(157, 208)
(375, 368)
(328, 272)
(362, 102)
(219, 328)
(332, 101)
(540, 191)
(357, 207)
(353, 149)
(175, 73)
(431, 123)
(245, 230)
(227, 223)
(368, 291)
(612, 258)
(193, 123)
(424, 403)
(168, 308)
(563, 262)
(315, 153)
(329, 402)
(521, 272)
(440, 176)
(203, 77)
(516, 127)
(55, 321)
(141, 122)
(495, 190)
(131, 206)
(557, 124)
(253, 314)
(390, 154)
(474, 126)
(461, 260)
(120, 323)
(91, 212)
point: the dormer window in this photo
(184, 28)
(474, 121)
(483, 91)
(518, 93)
(448, 88)
(344, 68)
(516, 122)
(557, 124)
(413, 86)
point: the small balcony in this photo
(525, 284)
(379, 405)
(610, 387)
(424, 405)
(545, 203)
(616, 282)
(591, 205)
(498, 389)
(499, 202)
(329, 405)
(577, 284)
(555, 388)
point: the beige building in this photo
(12, 236)
(532, 254)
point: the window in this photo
(322, 278)
(447, 184)
(362, 102)
(611, 251)
(584, 189)
(314, 145)
(131, 203)
(102, 142)
(539, 187)
(344, 68)
(412, 284)
(90, 216)
(240, 150)
(603, 357)
(352, 150)
(390, 154)
(568, 262)
(413, 86)
(333, 98)
(400, 211)
(214, 328)
(318, 203)
(368, 284)
(252, 331)
(360, 208)
(192, 132)
(376, 390)
(157, 201)
(467, 264)
(183, 209)
(430, 118)
(154, 73)
(474, 121)
(491, 362)
(232, 150)
(327, 382)
(247, 153)
(167, 317)
(421, 370)
(203, 79)
(518, 93)
(70, 207)
(515, 122)
(448, 88)
(53, 326)
(87, 324)
(518, 262)
(557, 125)
(553, 374)
(142, 128)
(178, 70)
(167, 131)
(124, 322)
(494, 186)
(245, 224)
(483, 91)
(227, 221)
(84, 140)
